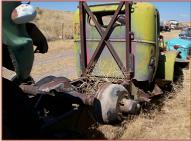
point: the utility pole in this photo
(62, 31)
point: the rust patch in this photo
(14, 14)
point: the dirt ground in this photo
(170, 35)
(172, 121)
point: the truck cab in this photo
(144, 54)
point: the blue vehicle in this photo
(182, 45)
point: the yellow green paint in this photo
(144, 26)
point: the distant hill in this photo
(55, 24)
(187, 23)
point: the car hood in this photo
(181, 42)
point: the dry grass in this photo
(171, 122)
(51, 21)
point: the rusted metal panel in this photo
(127, 31)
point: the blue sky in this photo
(180, 11)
